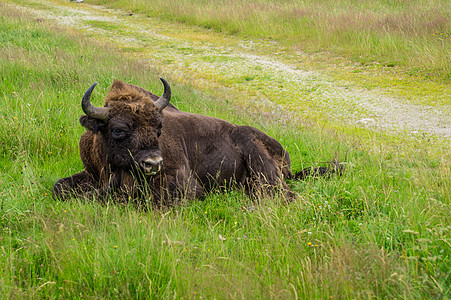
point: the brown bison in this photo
(139, 145)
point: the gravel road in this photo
(250, 70)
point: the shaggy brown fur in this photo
(199, 153)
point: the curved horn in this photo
(100, 113)
(163, 101)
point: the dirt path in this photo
(248, 70)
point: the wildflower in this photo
(309, 243)
(115, 247)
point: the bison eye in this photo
(159, 130)
(118, 133)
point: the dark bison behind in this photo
(140, 146)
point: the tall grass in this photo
(414, 35)
(382, 230)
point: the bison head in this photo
(127, 127)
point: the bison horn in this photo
(100, 113)
(163, 101)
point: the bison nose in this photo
(151, 166)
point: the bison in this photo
(140, 146)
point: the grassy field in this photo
(412, 35)
(382, 230)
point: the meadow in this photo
(414, 36)
(382, 230)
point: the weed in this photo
(381, 230)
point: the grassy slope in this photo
(386, 221)
(412, 35)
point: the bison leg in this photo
(170, 189)
(79, 184)
(266, 161)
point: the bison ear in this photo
(92, 124)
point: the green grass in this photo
(382, 230)
(414, 36)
